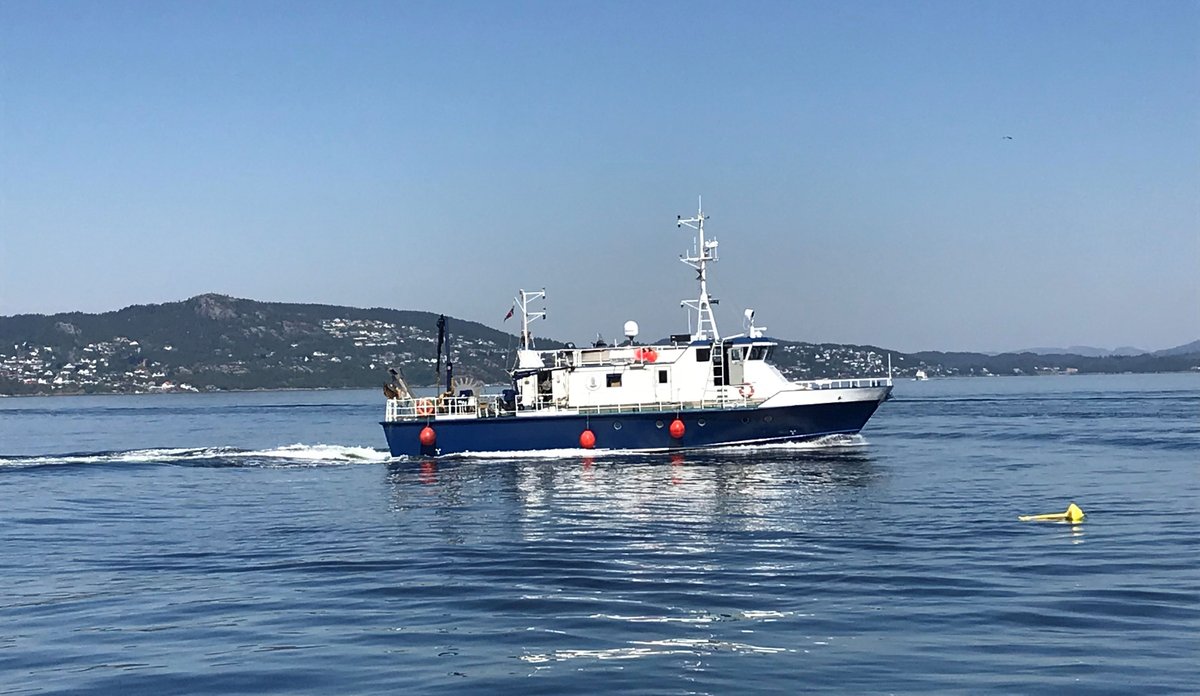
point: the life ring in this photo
(424, 407)
(746, 390)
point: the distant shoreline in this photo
(326, 389)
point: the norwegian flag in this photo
(510, 313)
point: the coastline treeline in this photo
(215, 342)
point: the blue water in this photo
(264, 543)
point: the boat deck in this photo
(471, 407)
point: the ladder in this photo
(718, 368)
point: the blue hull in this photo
(630, 431)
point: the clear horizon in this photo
(932, 176)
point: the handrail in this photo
(664, 406)
(846, 383)
(617, 356)
(488, 407)
(430, 406)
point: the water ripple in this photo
(889, 563)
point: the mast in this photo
(527, 316)
(703, 251)
(441, 340)
(527, 357)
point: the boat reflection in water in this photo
(693, 556)
(761, 487)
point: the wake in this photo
(296, 455)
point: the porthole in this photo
(768, 419)
(617, 425)
(701, 423)
(745, 419)
(658, 424)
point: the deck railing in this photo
(855, 383)
(430, 406)
(489, 406)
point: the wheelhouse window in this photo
(735, 354)
(760, 352)
(703, 354)
(614, 380)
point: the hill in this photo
(214, 342)
(1185, 349)
(1085, 351)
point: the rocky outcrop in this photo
(215, 307)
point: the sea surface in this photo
(265, 543)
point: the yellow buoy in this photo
(1073, 514)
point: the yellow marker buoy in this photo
(1073, 514)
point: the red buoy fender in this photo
(587, 439)
(650, 355)
(427, 436)
(677, 429)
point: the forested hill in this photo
(214, 342)
(218, 342)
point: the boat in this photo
(920, 376)
(694, 390)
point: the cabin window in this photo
(662, 376)
(703, 354)
(735, 354)
(760, 352)
(614, 380)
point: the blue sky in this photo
(438, 156)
